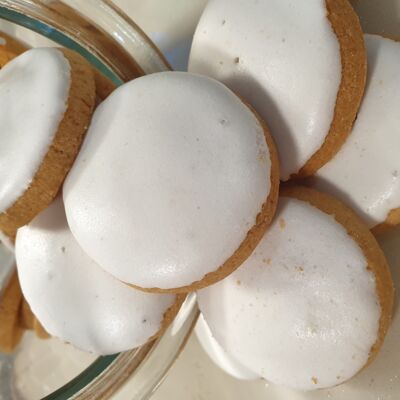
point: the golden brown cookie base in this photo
(360, 233)
(10, 331)
(63, 150)
(346, 26)
(253, 236)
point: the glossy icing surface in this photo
(74, 299)
(298, 312)
(365, 173)
(171, 177)
(267, 52)
(34, 90)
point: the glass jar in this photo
(118, 48)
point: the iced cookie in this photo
(10, 300)
(365, 173)
(311, 306)
(218, 355)
(302, 65)
(78, 302)
(176, 195)
(46, 101)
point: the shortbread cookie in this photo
(46, 101)
(176, 195)
(366, 171)
(10, 300)
(302, 65)
(78, 302)
(311, 306)
(218, 355)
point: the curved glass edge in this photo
(58, 37)
(83, 379)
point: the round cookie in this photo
(365, 173)
(176, 195)
(78, 302)
(218, 355)
(46, 101)
(10, 301)
(311, 306)
(302, 65)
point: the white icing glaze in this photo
(302, 311)
(74, 298)
(34, 90)
(284, 58)
(366, 171)
(219, 356)
(171, 176)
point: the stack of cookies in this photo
(246, 179)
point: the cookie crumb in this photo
(282, 223)
(314, 380)
(144, 320)
(238, 282)
(300, 269)
(236, 60)
(338, 377)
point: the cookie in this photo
(176, 195)
(46, 101)
(365, 173)
(302, 65)
(311, 306)
(10, 300)
(218, 355)
(78, 302)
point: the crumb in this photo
(282, 223)
(300, 269)
(236, 60)
(238, 282)
(395, 173)
(144, 320)
(63, 249)
(222, 121)
(338, 377)
(314, 380)
(223, 22)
